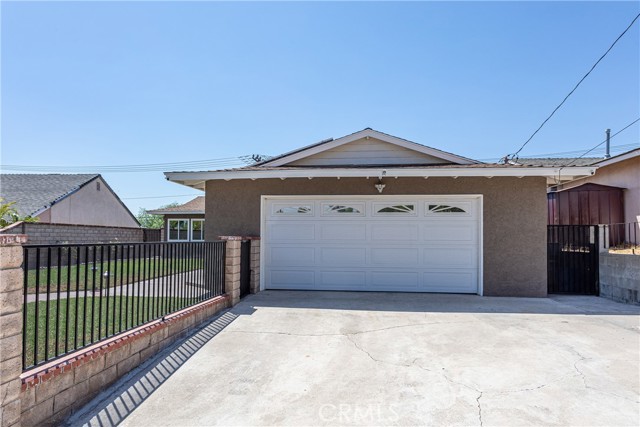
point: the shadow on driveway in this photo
(113, 405)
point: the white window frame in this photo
(192, 220)
(169, 239)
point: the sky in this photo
(135, 83)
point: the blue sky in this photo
(115, 83)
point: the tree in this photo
(148, 220)
(8, 215)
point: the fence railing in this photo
(624, 235)
(77, 295)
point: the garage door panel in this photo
(288, 231)
(343, 256)
(394, 232)
(343, 279)
(394, 280)
(449, 233)
(395, 256)
(450, 281)
(456, 257)
(292, 256)
(291, 278)
(332, 231)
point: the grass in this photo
(118, 272)
(118, 313)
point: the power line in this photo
(152, 167)
(512, 156)
(598, 145)
(614, 148)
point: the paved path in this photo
(338, 358)
(190, 283)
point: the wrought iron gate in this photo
(572, 259)
(245, 267)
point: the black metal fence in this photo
(77, 295)
(572, 259)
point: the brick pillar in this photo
(11, 299)
(232, 268)
(255, 265)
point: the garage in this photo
(371, 211)
(373, 243)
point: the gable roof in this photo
(291, 165)
(329, 144)
(34, 193)
(195, 206)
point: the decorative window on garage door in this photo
(293, 210)
(343, 209)
(445, 209)
(395, 209)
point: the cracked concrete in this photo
(331, 358)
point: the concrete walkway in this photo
(179, 284)
(337, 358)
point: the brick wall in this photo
(619, 277)
(43, 233)
(51, 393)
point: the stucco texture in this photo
(514, 218)
(90, 206)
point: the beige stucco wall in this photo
(624, 174)
(514, 218)
(88, 206)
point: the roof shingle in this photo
(36, 192)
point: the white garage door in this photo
(379, 243)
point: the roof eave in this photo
(198, 179)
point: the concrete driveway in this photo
(336, 358)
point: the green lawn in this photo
(118, 314)
(128, 271)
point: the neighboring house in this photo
(183, 223)
(79, 199)
(373, 212)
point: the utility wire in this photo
(614, 148)
(514, 155)
(151, 167)
(598, 145)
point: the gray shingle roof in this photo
(559, 161)
(35, 192)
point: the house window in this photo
(197, 229)
(178, 230)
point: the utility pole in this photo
(607, 152)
